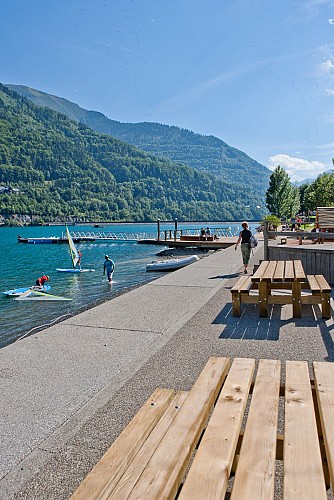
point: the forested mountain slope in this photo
(205, 153)
(56, 168)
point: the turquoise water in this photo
(22, 263)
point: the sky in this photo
(258, 74)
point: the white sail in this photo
(36, 295)
(74, 252)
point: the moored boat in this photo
(171, 264)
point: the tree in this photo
(279, 194)
(320, 193)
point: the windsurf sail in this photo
(75, 256)
(36, 295)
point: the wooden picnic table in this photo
(196, 445)
(288, 276)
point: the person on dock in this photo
(244, 238)
(40, 282)
(108, 267)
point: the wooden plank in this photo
(313, 284)
(164, 472)
(280, 299)
(210, 471)
(268, 274)
(261, 269)
(323, 283)
(324, 386)
(299, 270)
(256, 468)
(296, 299)
(106, 474)
(239, 283)
(325, 296)
(138, 464)
(246, 286)
(289, 274)
(263, 299)
(279, 271)
(303, 472)
(236, 303)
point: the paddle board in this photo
(16, 292)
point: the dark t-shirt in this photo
(246, 235)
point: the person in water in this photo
(109, 266)
(40, 282)
(244, 238)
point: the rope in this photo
(43, 326)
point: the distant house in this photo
(6, 189)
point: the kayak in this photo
(16, 292)
(171, 264)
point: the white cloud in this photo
(297, 168)
(330, 91)
(328, 67)
(331, 21)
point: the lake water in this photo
(22, 263)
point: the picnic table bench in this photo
(278, 275)
(190, 444)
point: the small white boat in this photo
(171, 264)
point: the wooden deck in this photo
(222, 242)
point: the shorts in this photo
(245, 251)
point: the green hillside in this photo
(205, 153)
(55, 168)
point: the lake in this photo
(22, 263)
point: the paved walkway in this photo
(69, 390)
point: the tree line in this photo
(285, 200)
(64, 169)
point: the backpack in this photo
(253, 241)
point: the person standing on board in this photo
(244, 238)
(109, 266)
(40, 282)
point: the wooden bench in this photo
(270, 278)
(155, 456)
(242, 286)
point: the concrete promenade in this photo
(69, 390)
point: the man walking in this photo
(109, 266)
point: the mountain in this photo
(53, 168)
(205, 153)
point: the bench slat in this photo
(239, 283)
(259, 272)
(256, 468)
(268, 274)
(313, 284)
(299, 270)
(289, 274)
(323, 283)
(106, 474)
(324, 386)
(303, 472)
(164, 472)
(209, 473)
(279, 271)
(138, 464)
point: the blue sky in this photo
(258, 74)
